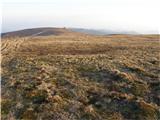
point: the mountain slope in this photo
(39, 31)
(101, 31)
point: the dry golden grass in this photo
(81, 77)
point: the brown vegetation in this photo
(81, 77)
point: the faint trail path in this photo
(12, 45)
(9, 47)
(4, 45)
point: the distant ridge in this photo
(46, 31)
(101, 31)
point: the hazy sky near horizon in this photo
(124, 15)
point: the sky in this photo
(121, 15)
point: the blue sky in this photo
(127, 15)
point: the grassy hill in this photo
(45, 31)
(58, 74)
